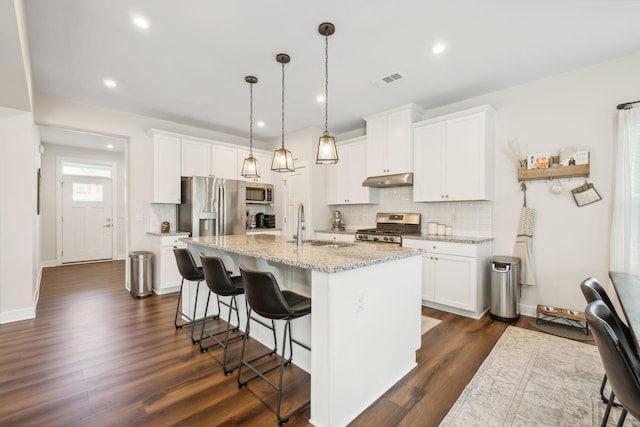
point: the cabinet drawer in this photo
(172, 241)
(433, 246)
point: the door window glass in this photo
(86, 169)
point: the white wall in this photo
(49, 194)
(19, 224)
(575, 108)
(74, 115)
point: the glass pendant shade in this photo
(282, 158)
(250, 167)
(327, 151)
(282, 161)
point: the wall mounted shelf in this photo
(553, 172)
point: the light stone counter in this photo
(332, 259)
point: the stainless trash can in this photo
(141, 273)
(505, 288)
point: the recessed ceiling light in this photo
(110, 83)
(260, 124)
(110, 146)
(438, 48)
(320, 98)
(140, 22)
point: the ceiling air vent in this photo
(387, 80)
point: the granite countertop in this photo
(333, 259)
(171, 233)
(452, 239)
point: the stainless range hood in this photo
(398, 180)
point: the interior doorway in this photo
(83, 206)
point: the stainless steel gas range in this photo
(390, 227)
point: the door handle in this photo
(108, 225)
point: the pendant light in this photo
(282, 159)
(327, 151)
(250, 167)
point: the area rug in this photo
(429, 323)
(534, 379)
(564, 331)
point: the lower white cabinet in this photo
(166, 277)
(338, 237)
(455, 276)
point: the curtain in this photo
(625, 225)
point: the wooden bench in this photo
(573, 318)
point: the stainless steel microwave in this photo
(259, 193)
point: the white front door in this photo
(86, 219)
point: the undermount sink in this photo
(324, 243)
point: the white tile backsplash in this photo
(466, 218)
(161, 212)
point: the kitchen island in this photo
(364, 327)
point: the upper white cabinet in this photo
(166, 168)
(344, 179)
(390, 140)
(204, 158)
(264, 164)
(196, 158)
(224, 162)
(453, 157)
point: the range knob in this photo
(386, 239)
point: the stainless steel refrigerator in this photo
(212, 206)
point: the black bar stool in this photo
(189, 271)
(619, 358)
(220, 282)
(265, 298)
(594, 291)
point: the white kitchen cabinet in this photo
(166, 277)
(344, 179)
(205, 158)
(166, 168)
(224, 161)
(264, 164)
(455, 277)
(338, 237)
(453, 157)
(196, 158)
(390, 140)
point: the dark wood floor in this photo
(95, 356)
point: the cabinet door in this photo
(455, 281)
(166, 169)
(429, 158)
(399, 142)
(224, 162)
(196, 158)
(344, 179)
(169, 274)
(377, 147)
(428, 278)
(465, 158)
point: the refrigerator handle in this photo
(222, 211)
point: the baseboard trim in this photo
(17, 315)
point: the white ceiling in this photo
(189, 66)
(81, 139)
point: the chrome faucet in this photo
(298, 236)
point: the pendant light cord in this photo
(326, 81)
(283, 105)
(251, 120)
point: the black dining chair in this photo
(265, 298)
(189, 271)
(221, 284)
(620, 360)
(594, 291)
